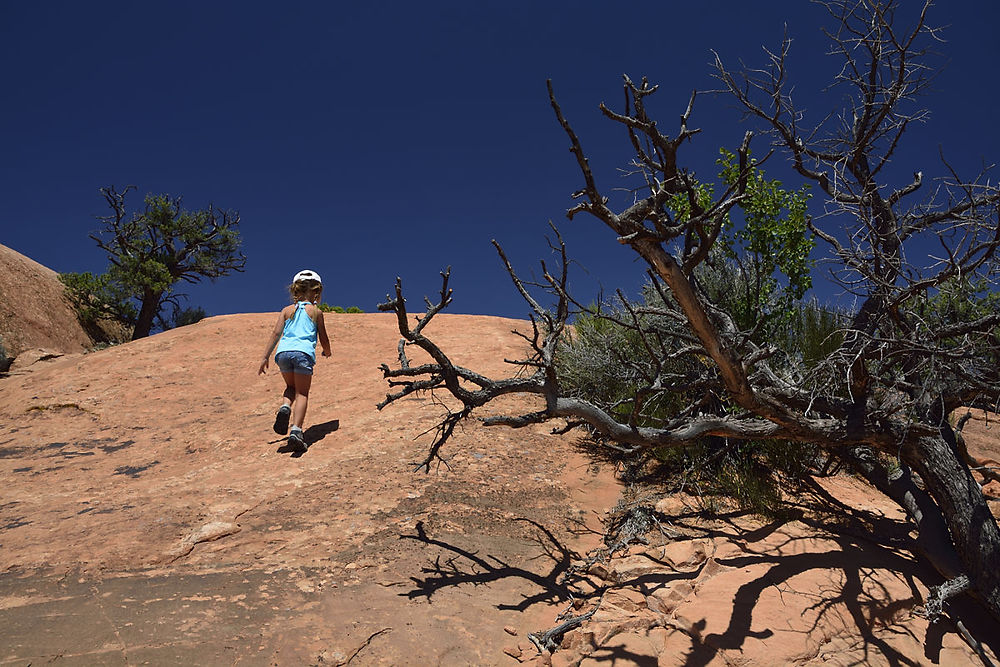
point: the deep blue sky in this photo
(370, 140)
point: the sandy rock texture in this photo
(34, 312)
(149, 512)
(149, 515)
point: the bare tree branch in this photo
(922, 339)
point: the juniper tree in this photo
(918, 341)
(149, 252)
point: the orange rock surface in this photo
(148, 513)
(34, 312)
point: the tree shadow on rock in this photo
(859, 598)
(866, 610)
(459, 566)
(619, 655)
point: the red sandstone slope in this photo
(34, 313)
(148, 513)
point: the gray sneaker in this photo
(281, 420)
(297, 440)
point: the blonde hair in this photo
(306, 290)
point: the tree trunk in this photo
(147, 314)
(933, 540)
(974, 532)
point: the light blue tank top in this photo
(299, 334)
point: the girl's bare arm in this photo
(324, 340)
(272, 341)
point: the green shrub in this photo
(615, 354)
(327, 308)
(96, 298)
(189, 316)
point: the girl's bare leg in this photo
(301, 389)
(282, 416)
(289, 394)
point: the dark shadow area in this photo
(979, 624)
(469, 567)
(108, 449)
(866, 611)
(312, 435)
(16, 522)
(134, 471)
(859, 557)
(934, 642)
(317, 432)
(286, 448)
(871, 580)
(619, 655)
(821, 510)
(857, 562)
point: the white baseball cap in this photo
(307, 275)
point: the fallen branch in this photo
(363, 646)
(549, 640)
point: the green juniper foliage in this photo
(149, 253)
(327, 308)
(607, 361)
(620, 355)
(189, 316)
(721, 361)
(770, 250)
(97, 297)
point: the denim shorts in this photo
(293, 361)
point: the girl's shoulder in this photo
(312, 310)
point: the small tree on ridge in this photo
(149, 253)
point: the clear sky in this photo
(367, 140)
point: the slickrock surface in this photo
(149, 512)
(34, 313)
(149, 515)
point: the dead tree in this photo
(887, 392)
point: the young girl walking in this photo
(295, 333)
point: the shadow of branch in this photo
(462, 566)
